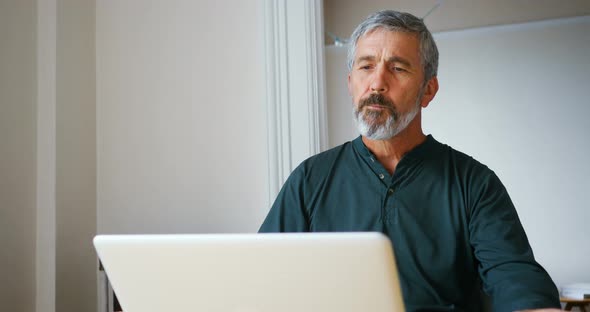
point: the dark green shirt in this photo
(453, 226)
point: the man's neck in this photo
(390, 152)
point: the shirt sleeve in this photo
(288, 213)
(507, 267)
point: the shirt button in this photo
(372, 159)
(381, 176)
(390, 191)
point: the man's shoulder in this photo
(463, 161)
(468, 168)
(319, 165)
(329, 156)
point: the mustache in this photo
(376, 98)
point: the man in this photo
(453, 226)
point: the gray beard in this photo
(369, 126)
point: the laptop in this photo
(287, 272)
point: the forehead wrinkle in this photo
(373, 47)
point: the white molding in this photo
(46, 155)
(317, 100)
(278, 134)
(296, 97)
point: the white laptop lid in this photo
(295, 272)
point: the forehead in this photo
(386, 43)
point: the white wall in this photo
(17, 154)
(514, 97)
(75, 221)
(181, 116)
(339, 106)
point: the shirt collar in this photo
(419, 152)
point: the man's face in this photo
(386, 83)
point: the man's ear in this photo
(429, 92)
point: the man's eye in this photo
(398, 69)
(365, 67)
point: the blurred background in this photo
(153, 116)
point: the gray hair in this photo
(404, 22)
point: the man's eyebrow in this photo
(365, 58)
(393, 59)
(401, 60)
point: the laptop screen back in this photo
(295, 272)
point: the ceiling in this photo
(342, 16)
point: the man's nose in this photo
(379, 80)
